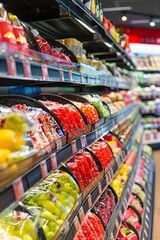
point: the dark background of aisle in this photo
(156, 222)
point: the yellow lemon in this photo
(10, 140)
(4, 162)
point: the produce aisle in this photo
(74, 165)
(156, 220)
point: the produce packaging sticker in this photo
(54, 161)
(81, 214)
(76, 223)
(27, 69)
(11, 66)
(45, 74)
(83, 141)
(70, 75)
(61, 75)
(74, 146)
(89, 200)
(44, 171)
(18, 189)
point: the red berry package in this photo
(125, 233)
(131, 217)
(135, 203)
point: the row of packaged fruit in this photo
(54, 199)
(49, 121)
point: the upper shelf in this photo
(62, 19)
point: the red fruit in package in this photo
(6, 30)
(92, 164)
(96, 222)
(125, 233)
(80, 236)
(87, 231)
(131, 217)
(135, 203)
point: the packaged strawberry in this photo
(132, 217)
(91, 163)
(97, 224)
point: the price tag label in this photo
(11, 66)
(96, 134)
(70, 75)
(87, 78)
(146, 234)
(117, 224)
(99, 188)
(107, 180)
(59, 143)
(45, 71)
(81, 78)
(112, 237)
(149, 204)
(66, 226)
(27, 69)
(54, 161)
(83, 141)
(61, 75)
(111, 174)
(18, 189)
(147, 225)
(89, 201)
(81, 214)
(44, 170)
(147, 217)
(76, 223)
(101, 131)
(74, 146)
(120, 215)
(148, 210)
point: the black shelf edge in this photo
(117, 216)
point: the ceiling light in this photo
(113, 9)
(152, 23)
(124, 18)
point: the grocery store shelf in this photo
(147, 223)
(117, 216)
(154, 113)
(149, 98)
(45, 15)
(151, 126)
(94, 195)
(30, 176)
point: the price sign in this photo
(11, 66)
(54, 161)
(101, 131)
(44, 71)
(70, 75)
(81, 214)
(59, 143)
(99, 188)
(44, 170)
(61, 75)
(27, 69)
(89, 201)
(96, 134)
(81, 78)
(117, 224)
(76, 223)
(74, 146)
(111, 174)
(18, 189)
(83, 141)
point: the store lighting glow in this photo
(152, 23)
(124, 18)
(86, 26)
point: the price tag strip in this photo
(27, 69)
(18, 189)
(83, 141)
(74, 146)
(44, 170)
(54, 161)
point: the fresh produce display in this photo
(113, 142)
(13, 147)
(151, 120)
(132, 217)
(47, 129)
(148, 92)
(126, 233)
(120, 179)
(135, 202)
(105, 206)
(103, 152)
(148, 62)
(91, 228)
(68, 115)
(97, 102)
(83, 167)
(89, 111)
(52, 200)
(17, 225)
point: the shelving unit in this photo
(27, 77)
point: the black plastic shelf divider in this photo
(117, 217)
(147, 223)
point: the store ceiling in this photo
(147, 7)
